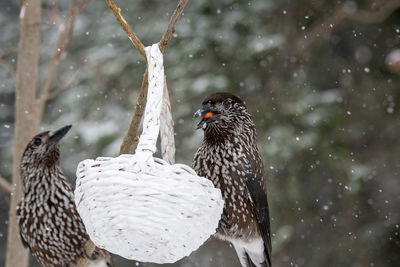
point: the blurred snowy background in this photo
(321, 79)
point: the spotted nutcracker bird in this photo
(49, 223)
(229, 157)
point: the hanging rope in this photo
(132, 133)
(167, 129)
(151, 124)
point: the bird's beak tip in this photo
(60, 133)
(202, 125)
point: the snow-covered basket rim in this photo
(141, 207)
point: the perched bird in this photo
(49, 223)
(229, 157)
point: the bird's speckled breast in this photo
(228, 166)
(49, 223)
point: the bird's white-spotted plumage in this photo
(229, 156)
(49, 223)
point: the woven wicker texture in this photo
(141, 207)
(167, 129)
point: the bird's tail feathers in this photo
(251, 257)
(257, 260)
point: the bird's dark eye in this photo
(227, 102)
(37, 141)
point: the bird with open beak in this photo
(229, 157)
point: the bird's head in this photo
(44, 148)
(222, 114)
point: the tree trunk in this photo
(26, 119)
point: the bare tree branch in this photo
(324, 28)
(70, 30)
(373, 17)
(59, 49)
(8, 68)
(131, 136)
(62, 45)
(6, 188)
(9, 51)
(172, 23)
(125, 26)
(74, 9)
(83, 5)
(52, 13)
(53, 94)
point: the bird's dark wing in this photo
(260, 209)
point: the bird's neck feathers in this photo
(33, 174)
(240, 125)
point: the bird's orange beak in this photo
(208, 115)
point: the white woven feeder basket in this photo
(141, 207)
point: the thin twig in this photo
(52, 13)
(9, 51)
(53, 94)
(171, 25)
(125, 26)
(373, 17)
(70, 31)
(324, 28)
(6, 188)
(8, 68)
(59, 49)
(83, 5)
